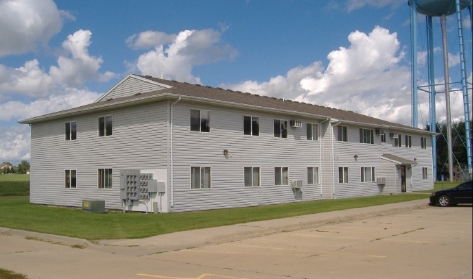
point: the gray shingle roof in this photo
(224, 96)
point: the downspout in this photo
(320, 160)
(171, 188)
(333, 160)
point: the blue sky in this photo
(352, 54)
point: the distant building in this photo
(5, 165)
(212, 148)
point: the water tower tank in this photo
(439, 7)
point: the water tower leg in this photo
(432, 111)
(414, 62)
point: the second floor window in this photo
(251, 125)
(105, 126)
(408, 140)
(312, 131)
(423, 143)
(200, 120)
(280, 128)
(71, 130)
(342, 133)
(398, 141)
(366, 136)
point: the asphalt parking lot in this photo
(418, 242)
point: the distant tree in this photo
(23, 167)
(458, 147)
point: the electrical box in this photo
(96, 206)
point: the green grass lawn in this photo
(14, 177)
(7, 274)
(16, 212)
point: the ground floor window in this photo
(281, 176)
(252, 176)
(424, 173)
(200, 177)
(367, 174)
(70, 180)
(104, 178)
(312, 175)
(343, 175)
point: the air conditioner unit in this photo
(392, 135)
(96, 206)
(381, 181)
(379, 131)
(296, 184)
(295, 123)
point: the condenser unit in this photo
(392, 135)
(96, 206)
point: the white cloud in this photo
(357, 4)
(15, 143)
(71, 70)
(17, 110)
(175, 59)
(26, 23)
(366, 77)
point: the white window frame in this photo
(282, 128)
(281, 176)
(383, 137)
(313, 134)
(72, 133)
(398, 141)
(202, 129)
(342, 134)
(202, 181)
(105, 178)
(68, 181)
(251, 177)
(252, 127)
(313, 175)
(105, 131)
(408, 141)
(342, 174)
(368, 171)
(423, 142)
(366, 133)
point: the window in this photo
(343, 175)
(423, 143)
(366, 136)
(200, 177)
(105, 126)
(281, 176)
(252, 176)
(383, 137)
(424, 173)
(367, 174)
(408, 140)
(398, 141)
(251, 125)
(312, 175)
(312, 131)
(71, 130)
(280, 128)
(200, 120)
(70, 178)
(105, 178)
(342, 133)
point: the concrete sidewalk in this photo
(223, 234)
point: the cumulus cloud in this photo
(174, 56)
(17, 110)
(73, 69)
(357, 4)
(26, 23)
(15, 143)
(366, 77)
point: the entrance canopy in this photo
(398, 160)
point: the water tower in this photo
(442, 9)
